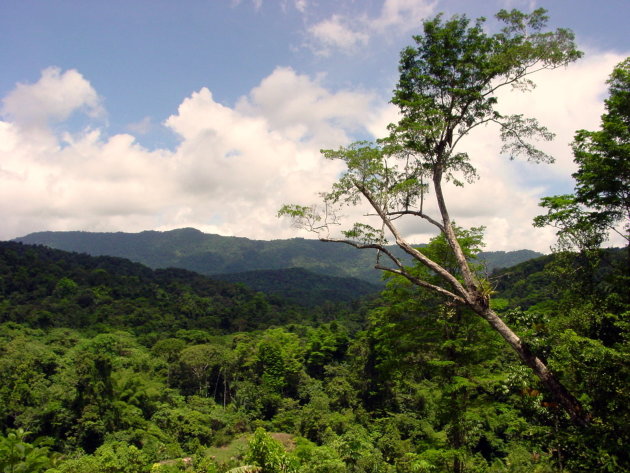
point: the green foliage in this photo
(318, 459)
(327, 344)
(573, 312)
(303, 287)
(445, 370)
(184, 425)
(225, 258)
(19, 456)
(603, 176)
(201, 361)
(112, 457)
(49, 288)
(438, 249)
(575, 228)
(210, 254)
(448, 86)
(269, 454)
(426, 387)
(520, 460)
(602, 181)
(448, 80)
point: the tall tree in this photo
(448, 87)
(602, 182)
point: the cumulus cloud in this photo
(313, 114)
(142, 127)
(567, 99)
(300, 5)
(248, 160)
(336, 33)
(403, 15)
(346, 33)
(53, 98)
(235, 165)
(257, 4)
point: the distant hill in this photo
(44, 288)
(505, 259)
(210, 254)
(533, 283)
(303, 287)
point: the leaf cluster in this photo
(601, 199)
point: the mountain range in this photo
(270, 266)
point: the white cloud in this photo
(526, 5)
(256, 3)
(403, 14)
(335, 33)
(51, 99)
(142, 127)
(566, 100)
(300, 5)
(235, 166)
(347, 33)
(230, 173)
(302, 110)
(242, 163)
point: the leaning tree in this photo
(449, 81)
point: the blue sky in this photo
(135, 115)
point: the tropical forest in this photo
(357, 351)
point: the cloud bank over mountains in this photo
(233, 166)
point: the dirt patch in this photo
(287, 440)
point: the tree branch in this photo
(400, 241)
(422, 283)
(361, 246)
(449, 233)
(418, 214)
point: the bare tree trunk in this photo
(449, 233)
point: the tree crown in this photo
(602, 182)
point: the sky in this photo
(140, 115)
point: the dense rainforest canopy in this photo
(108, 366)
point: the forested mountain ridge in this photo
(210, 254)
(53, 288)
(303, 287)
(533, 283)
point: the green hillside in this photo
(214, 254)
(52, 288)
(303, 287)
(534, 284)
